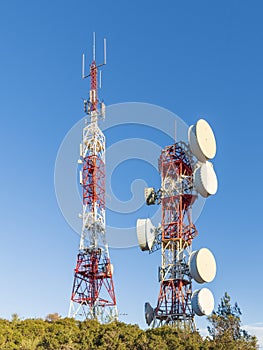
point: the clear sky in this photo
(194, 58)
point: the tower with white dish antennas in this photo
(186, 173)
(93, 295)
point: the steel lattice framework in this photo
(177, 232)
(93, 295)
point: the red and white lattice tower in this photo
(93, 295)
(174, 300)
(186, 173)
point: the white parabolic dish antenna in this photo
(145, 233)
(202, 265)
(203, 302)
(202, 140)
(149, 313)
(205, 180)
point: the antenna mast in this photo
(93, 295)
(186, 173)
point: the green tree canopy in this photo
(56, 333)
(225, 329)
(53, 317)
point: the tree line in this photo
(55, 333)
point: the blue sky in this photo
(197, 59)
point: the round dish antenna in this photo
(145, 234)
(202, 302)
(205, 180)
(202, 265)
(149, 313)
(202, 140)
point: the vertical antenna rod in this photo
(100, 79)
(105, 51)
(83, 66)
(94, 47)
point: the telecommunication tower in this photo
(186, 173)
(93, 295)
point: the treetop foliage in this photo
(56, 333)
(69, 334)
(225, 329)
